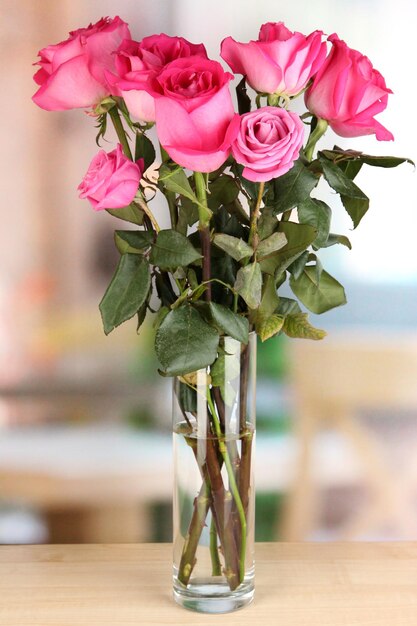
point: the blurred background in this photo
(85, 444)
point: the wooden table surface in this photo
(352, 584)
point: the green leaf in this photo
(338, 180)
(134, 241)
(176, 181)
(292, 188)
(250, 187)
(356, 208)
(297, 325)
(333, 239)
(269, 301)
(243, 100)
(127, 291)
(318, 214)
(249, 284)
(273, 243)
(187, 397)
(226, 369)
(142, 314)
(171, 249)
(384, 161)
(267, 224)
(184, 342)
(230, 323)
(234, 247)
(191, 211)
(318, 294)
(288, 306)
(299, 237)
(222, 191)
(270, 327)
(354, 200)
(297, 267)
(342, 156)
(144, 149)
(351, 168)
(131, 213)
(164, 289)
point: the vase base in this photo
(210, 596)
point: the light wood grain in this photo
(296, 585)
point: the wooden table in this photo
(352, 584)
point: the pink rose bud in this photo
(279, 62)
(73, 72)
(347, 92)
(268, 143)
(195, 118)
(137, 62)
(112, 180)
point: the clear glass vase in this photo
(214, 440)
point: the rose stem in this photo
(204, 228)
(118, 127)
(232, 484)
(197, 522)
(243, 475)
(253, 233)
(201, 508)
(211, 472)
(247, 436)
(214, 550)
(318, 132)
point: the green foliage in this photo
(187, 397)
(289, 190)
(234, 247)
(144, 149)
(256, 236)
(127, 291)
(354, 200)
(249, 284)
(228, 322)
(134, 241)
(243, 100)
(131, 213)
(171, 249)
(184, 342)
(318, 214)
(297, 325)
(299, 237)
(334, 239)
(317, 290)
(223, 190)
(270, 326)
(271, 244)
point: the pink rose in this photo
(112, 180)
(347, 92)
(268, 143)
(73, 72)
(137, 62)
(280, 62)
(195, 118)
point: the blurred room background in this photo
(85, 444)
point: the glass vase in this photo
(214, 440)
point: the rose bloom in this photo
(195, 118)
(268, 143)
(72, 73)
(347, 92)
(136, 62)
(112, 180)
(279, 62)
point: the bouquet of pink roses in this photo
(239, 188)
